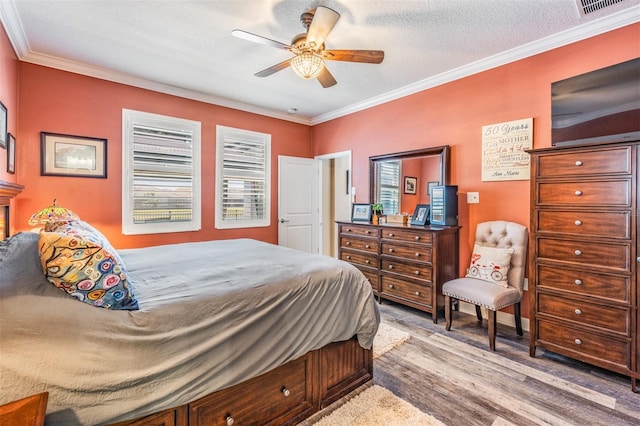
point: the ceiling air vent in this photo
(589, 6)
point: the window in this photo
(243, 184)
(160, 174)
(389, 186)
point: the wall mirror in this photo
(400, 181)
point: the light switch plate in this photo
(473, 197)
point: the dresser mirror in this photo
(420, 168)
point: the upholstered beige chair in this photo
(495, 278)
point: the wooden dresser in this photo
(583, 254)
(406, 264)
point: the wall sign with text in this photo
(503, 150)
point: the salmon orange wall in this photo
(63, 102)
(454, 113)
(9, 98)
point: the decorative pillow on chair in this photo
(78, 259)
(490, 264)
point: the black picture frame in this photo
(4, 125)
(69, 155)
(361, 212)
(420, 215)
(11, 154)
(410, 185)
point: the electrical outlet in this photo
(473, 197)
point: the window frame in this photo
(131, 119)
(223, 132)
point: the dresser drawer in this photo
(286, 392)
(609, 224)
(407, 235)
(593, 346)
(357, 258)
(610, 256)
(418, 293)
(414, 252)
(617, 320)
(417, 271)
(585, 193)
(594, 162)
(590, 284)
(367, 231)
(363, 244)
(371, 275)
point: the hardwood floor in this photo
(454, 377)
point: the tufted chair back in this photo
(503, 234)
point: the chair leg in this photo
(492, 330)
(447, 312)
(516, 313)
(479, 313)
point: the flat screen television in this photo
(598, 106)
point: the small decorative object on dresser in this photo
(361, 212)
(405, 264)
(420, 215)
(583, 282)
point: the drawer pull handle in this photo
(578, 341)
(285, 391)
(348, 229)
(417, 254)
(578, 222)
(578, 163)
(417, 293)
(390, 250)
(348, 257)
(391, 234)
(367, 261)
(390, 285)
(368, 232)
(578, 193)
(347, 243)
(390, 266)
(578, 282)
(577, 253)
(367, 246)
(417, 272)
(417, 238)
(578, 312)
(229, 420)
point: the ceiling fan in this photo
(308, 48)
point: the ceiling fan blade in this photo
(324, 19)
(273, 69)
(326, 79)
(259, 39)
(368, 56)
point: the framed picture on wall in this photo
(11, 154)
(3, 125)
(410, 185)
(68, 155)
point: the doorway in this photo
(335, 198)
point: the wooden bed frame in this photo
(284, 396)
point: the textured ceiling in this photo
(186, 48)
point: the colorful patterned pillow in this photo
(490, 264)
(78, 259)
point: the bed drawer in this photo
(608, 224)
(419, 253)
(593, 162)
(614, 319)
(362, 230)
(407, 235)
(363, 244)
(585, 193)
(285, 393)
(586, 346)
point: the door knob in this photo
(283, 221)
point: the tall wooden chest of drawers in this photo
(583, 255)
(406, 264)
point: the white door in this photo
(298, 207)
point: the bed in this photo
(233, 331)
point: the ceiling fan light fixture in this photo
(307, 64)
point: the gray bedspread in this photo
(212, 314)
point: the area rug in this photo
(377, 406)
(387, 338)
